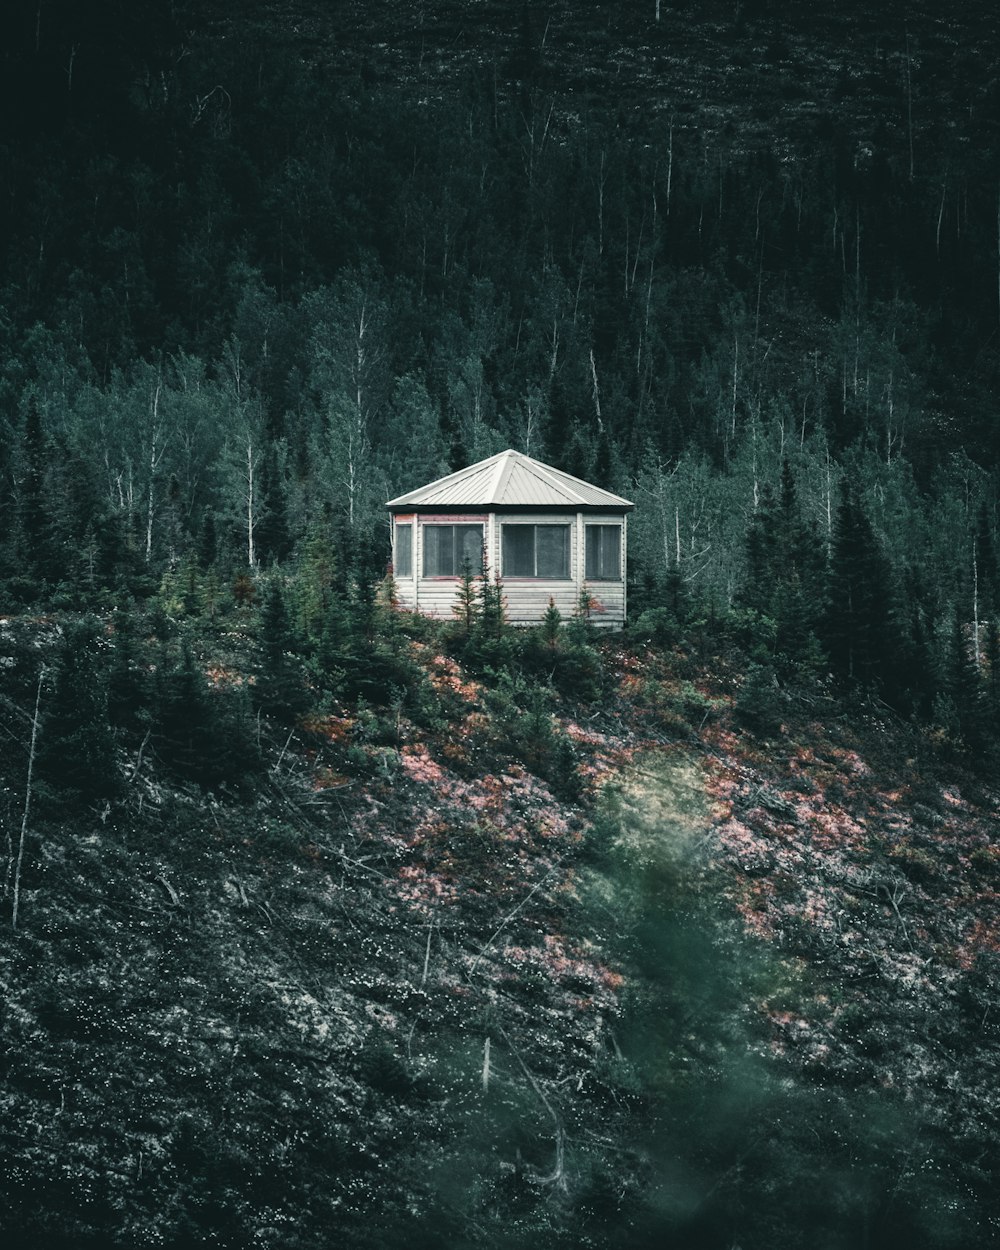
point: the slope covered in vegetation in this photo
(544, 944)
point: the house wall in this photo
(608, 597)
(525, 599)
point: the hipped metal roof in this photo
(510, 479)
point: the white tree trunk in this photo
(251, 504)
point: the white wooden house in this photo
(546, 534)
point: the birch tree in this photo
(242, 457)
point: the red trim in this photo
(452, 518)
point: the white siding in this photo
(525, 598)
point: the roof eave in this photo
(568, 509)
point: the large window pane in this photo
(403, 563)
(604, 549)
(552, 551)
(469, 547)
(536, 551)
(519, 551)
(448, 547)
(437, 550)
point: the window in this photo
(448, 547)
(604, 553)
(536, 551)
(402, 565)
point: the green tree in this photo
(199, 735)
(467, 607)
(551, 628)
(129, 690)
(783, 578)
(76, 757)
(38, 556)
(856, 624)
(280, 688)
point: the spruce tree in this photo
(467, 605)
(208, 542)
(280, 688)
(857, 618)
(76, 756)
(37, 554)
(492, 615)
(784, 574)
(987, 561)
(129, 689)
(910, 673)
(993, 671)
(551, 626)
(187, 737)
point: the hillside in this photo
(497, 964)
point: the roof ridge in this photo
(508, 459)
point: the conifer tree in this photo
(280, 689)
(674, 594)
(467, 605)
(333, 651)
(128, 684)
(274, 542)
(857, 619)
(187, 735)
(37, 555)
(910, 672)
(784, 573)
(314, 584)
(551, 627)
(76, 758)
(208, 541)
(492, 614)
(987, 561)
(993, 671)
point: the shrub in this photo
(759, 705)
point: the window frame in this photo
(602, 577)
(398, 528)
(477, 565)
(565, 526)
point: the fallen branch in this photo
(558, 1175)
(15, 904)
(291, 735)
(175, 898)
(427, 953)
(138, 758)
(510, 916)
(891, 898)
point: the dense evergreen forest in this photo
(266, 266)
(249, 294)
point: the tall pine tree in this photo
(76, 756)
(856, 625)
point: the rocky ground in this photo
(402, 975)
